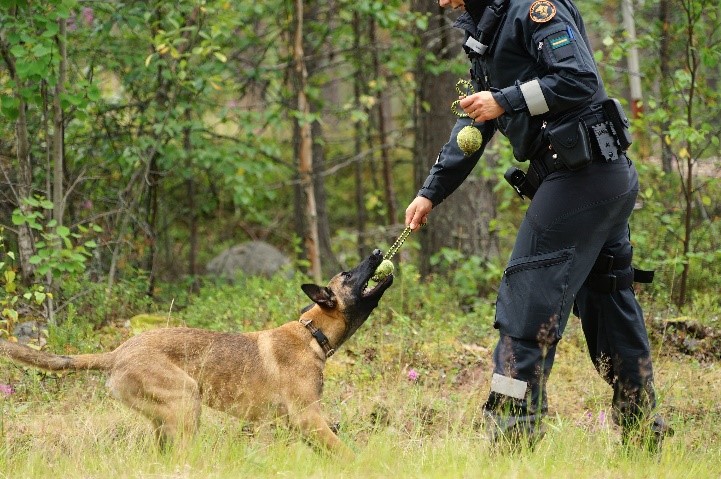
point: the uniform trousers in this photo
(573, 218)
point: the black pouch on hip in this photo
(619, 121)
(570, 142)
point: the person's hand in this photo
(481, 106)
(417, 212)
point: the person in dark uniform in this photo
(538, 84)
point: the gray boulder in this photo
(33, 332)
(254, 258)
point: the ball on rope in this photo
(469, 139)
(383, 270)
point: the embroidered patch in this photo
(542, 11)
(559, 42)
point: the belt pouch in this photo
(615, 114)
(570, 142)
(605, 142)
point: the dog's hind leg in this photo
(163, 393)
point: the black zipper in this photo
(543, 263)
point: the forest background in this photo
(140, 139)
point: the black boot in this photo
(510, 426)
(646, 434)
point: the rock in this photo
(31, 332)
(254, 258)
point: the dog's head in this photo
(349, 293)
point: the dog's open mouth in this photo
(372, 287)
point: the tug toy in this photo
(386, 267)
(469, 139)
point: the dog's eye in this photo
(345, 274)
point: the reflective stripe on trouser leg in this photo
(518, 365)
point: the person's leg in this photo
(618, 344)
(558, 242)
(517, 402)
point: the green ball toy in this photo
(383, 270)
(469, 139)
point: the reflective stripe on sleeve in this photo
(535, 101)
(508, 386)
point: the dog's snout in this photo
(377, 252)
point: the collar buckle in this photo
(321, 338)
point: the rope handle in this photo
(398, 243)
(469, 90)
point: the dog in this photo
(166, 374)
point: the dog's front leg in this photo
(309, 420)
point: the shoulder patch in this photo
(542, 11)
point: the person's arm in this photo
(452, 166)
(568, 75)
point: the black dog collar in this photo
(319, 336)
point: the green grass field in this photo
(400, 427)
(430, 427)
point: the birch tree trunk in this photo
(305, 148)
(664, 81)
(58, 141)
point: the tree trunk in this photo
(305, 148)
(359, 139)
(634, 70)
(315, 61)
(330, 262)
(59, 130)
(664, 79)
(388, 189)
(192, 212)
(461, 221)
(23, 189)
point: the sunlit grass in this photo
(406, 391)
(399, 428)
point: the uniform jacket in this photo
(540, 69)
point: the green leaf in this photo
(10, 313)
(39, 297)
(18, 218)
(93, 93)
(9, 106)
(63, 231)
(18, 51)
(41, 50)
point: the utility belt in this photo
(601, 136)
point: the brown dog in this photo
(167, 373)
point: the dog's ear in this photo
(320, 295)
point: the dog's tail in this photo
(55, 362)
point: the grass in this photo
(426, 428)
(429, 427)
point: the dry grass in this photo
(429, 427)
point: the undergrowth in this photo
(405, 392)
